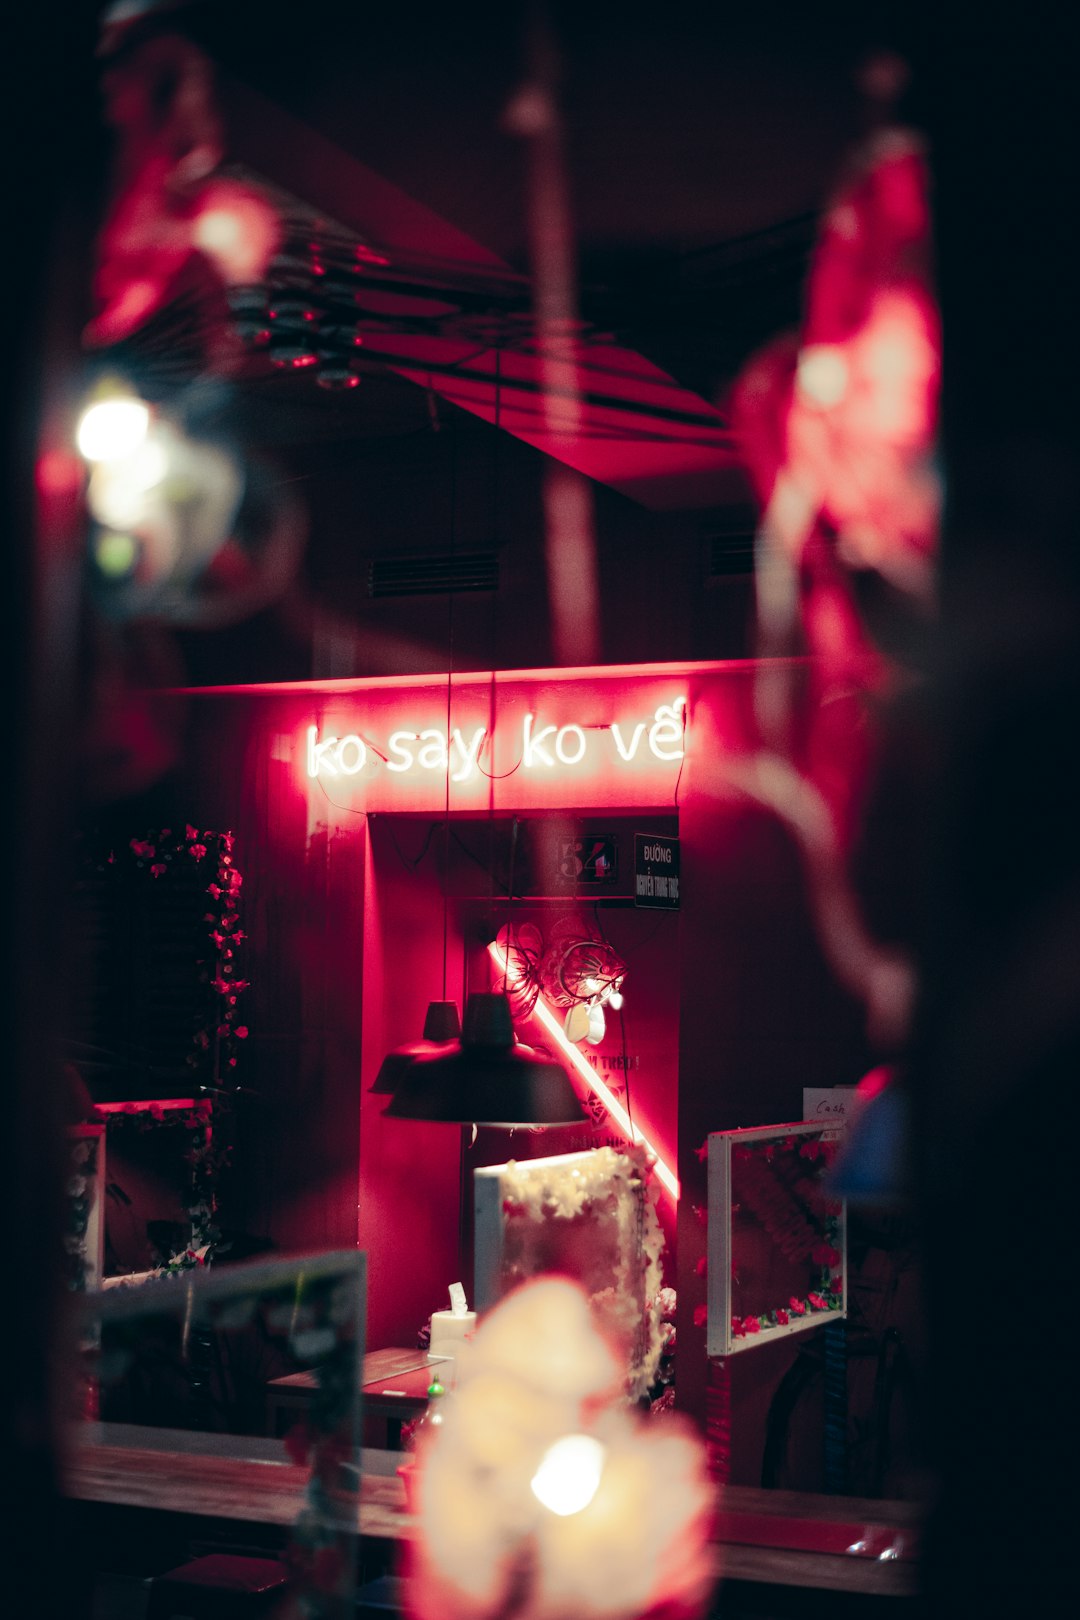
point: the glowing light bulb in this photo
(569, 1474)
(115, 554)
(112, 429)
(615, 1000)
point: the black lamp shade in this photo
(484, 1078)
(442, 1023)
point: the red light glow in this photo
(543, 1013)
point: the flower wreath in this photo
(219, 1031)
(824, 1253)
(205, 1153)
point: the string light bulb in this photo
(569, 1474)
(112, 428)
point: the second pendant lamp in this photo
(484, 1078)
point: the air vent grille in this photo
(434, 576)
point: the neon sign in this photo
(618, 1114)
(543, 747)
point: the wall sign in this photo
(542, 745)
(656, 871)
(831, 1105)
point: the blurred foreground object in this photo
(182, 528)
(837, 426)
(169, 203)
(542, 1494)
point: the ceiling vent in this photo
(434, 576)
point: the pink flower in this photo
(140, 847)
(817, 1302)
(190, 832)
(797, 1306)
(701, 1315)
(782, 1317)
(241, 1032)
(157, 869)
(197, 851)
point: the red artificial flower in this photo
(701, 1315)
(737, 1329)
(768, 1152)
(782, 1317)
(140, 847)
(741, 1154)
(197, 851)
(213, 889)
(157, 869)
(818, 1302)
(825, 1255)
(811, 1149)
(751, 1324)
(241, 1032)
(190, 832)
(702, 1153)
(797, 1306)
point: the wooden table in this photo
(780, 1538)
(395, 1385)
(205, 1485)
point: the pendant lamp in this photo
(442, 1023)
(485, 1078)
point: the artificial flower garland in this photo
(205, 1154)
(794, 1232)
(212, 852)
(218, 1033)
(616, 1180)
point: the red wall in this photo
(729, 1005)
